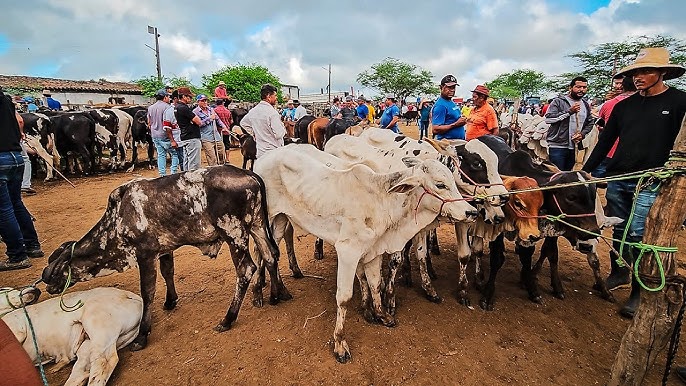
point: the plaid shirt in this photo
(225, 115)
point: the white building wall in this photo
(89, 98)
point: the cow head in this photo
(577, 202)
(439, 191)
(523, 208)
(11, 299)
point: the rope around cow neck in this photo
(79, 303)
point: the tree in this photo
(519, 84)
(151, 84)
(243, 82)
(599, 63)
(399, 78)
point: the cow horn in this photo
(440, 146)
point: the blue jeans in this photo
(163, 146)
(620, 196)
(601, 170)
(423, 129)
(564, 159)
(16, 226)
(179, 155)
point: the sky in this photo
(296, 40)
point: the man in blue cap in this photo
(447, 122)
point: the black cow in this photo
(227, 203)
(577, 202)
(40, 138)
(140, 134)
(75, 135)
(106, 127)
(410, 116)
(336, 127)
(237, 115)
(301, 128)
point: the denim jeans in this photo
(564, 159)
(179, 155)
(16, 226)
(191, 154)
(601, 170)
(620, 196)
(163, 146)
(423, 129)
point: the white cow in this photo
(34, 133)
(108, 320)
(124, 137)
(361, 213)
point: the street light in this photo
(153, 31)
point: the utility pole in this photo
(153, 31)
(329, 84)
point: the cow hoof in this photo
(170, 304)
(343, 357)
(388, 320)
(486, 305)
(284, 295)
(257, 302)
(273, 300)
(221, 328)
(369, 316)
(538, 299)
(297, 274)
(139, 343)
(465, 302)
(559, 295)
(434, 298)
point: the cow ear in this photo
(411, 161)
(405, 185)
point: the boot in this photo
(631, 305)
(620, 277)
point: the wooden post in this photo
(653, 323)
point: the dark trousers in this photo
(564, 159)
(16, 226)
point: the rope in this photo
(79, 303)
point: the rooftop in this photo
(60, 85)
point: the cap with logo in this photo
(449, 80)
(201, 97)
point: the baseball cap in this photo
(390, 96)
(449, 80)
(201, 97)
(348, 98)
(162, 93)
(361, 98)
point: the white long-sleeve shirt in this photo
(265, 123)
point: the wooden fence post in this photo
(651, 328)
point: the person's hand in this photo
(174, 144)
(575, 108)
(577, 137)
(460, 122)
(213, 116)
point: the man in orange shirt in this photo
(482, 119)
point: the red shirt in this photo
(220, 92)
(224, 115)
(604, 114)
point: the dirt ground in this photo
(562, 342)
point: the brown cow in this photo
(290, 128)
(316, 131)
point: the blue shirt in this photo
(424, 113)
(387, 117)
(362, 111)
(446, 112)
(288, 114)
(53, 104)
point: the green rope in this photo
(63, 305)
(35, 343)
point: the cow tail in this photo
(265, 215)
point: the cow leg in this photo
(151, 152)
(148, 279)
(427, 286)
(463, 253)
(167, 270)
(318, 249)
(372, 271)
(102, 365)
(245, 268)
(527, 276)
(430, 265)
(433, 242)
(290, 251)
(550, 251)
(497, 258)
(81, 370)
(478, 254)
(365, 301)
(600, 284)
(245, 161)
(348, 259)
(270, 256)
(407, 265)
(88, 159)
(134, 157)
(389, 293)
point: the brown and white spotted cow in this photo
(210, 206)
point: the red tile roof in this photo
(57, 85)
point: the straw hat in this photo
(655, 57)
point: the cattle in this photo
(75, 134)
(301, 128)
(106, 130)
(123, 131)
(474, 168)
(370, 219)
(578, 204)
(316, 132)
(336, 127)
(140, 133)
(248, 148)
(211, 206)
(410, 116)
(108, 320)
(521, 222)
(290, 128)
(237, 115)
(40, 138)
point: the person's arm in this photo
(492, 122)
(439, 118)
(277, 126)
(20, 121)
(606, 139)
(588, 125)
(557, 112)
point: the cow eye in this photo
(571, 197)
(519, 205)
(477, 165)
(441, 185)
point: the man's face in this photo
(186, 99)
(478, 99)
(271, 99)
(166, 99)
(448, 92)
(646, 77)
(388, 102)
(617, 85)
(202, 103)
(290, 105)
(578, 90)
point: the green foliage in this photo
(243, 82)
(599, 63)
(150, 84)
(519, 84)
(399, 78)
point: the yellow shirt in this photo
(466, 110)
(372, 115)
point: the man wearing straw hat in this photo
(569, 117)
(646, 124)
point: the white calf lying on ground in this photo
(108, 320)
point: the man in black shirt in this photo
(16, 226)
(189, 124)
(646, 124)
